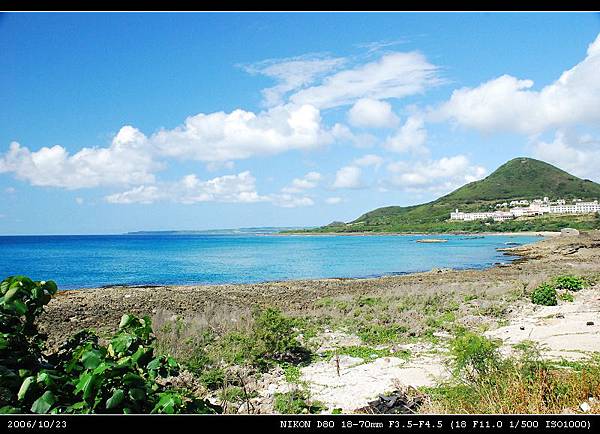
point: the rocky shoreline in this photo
(102, 308)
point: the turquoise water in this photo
(161, 259)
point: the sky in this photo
(116, 122)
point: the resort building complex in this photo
(517, 208)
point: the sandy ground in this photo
(570, 330)
(358, 382)
(562, 330)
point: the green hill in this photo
(520, 178)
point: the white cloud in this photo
(241, 134)
(190, 189)
(369, 160)
(372, 113)
(213, 166)
(579, 155)
(307, 182)
(291, 201)
(125, 162)
(394, 75)
(131, 159)
(439, 176)
(10, 190)
(240, 188)
(79, 200)
(348, 177)
(292, 74)
(510, 104)
(411, 137)
(333, 200)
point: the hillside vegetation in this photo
(520, 178)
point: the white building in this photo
(470, 216)
(537, 207)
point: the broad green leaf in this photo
(20, 307)
(116, 399)
(11, 293)
(86, 385)
(51, 287)
(131, 379)
(125, 320)
(137, 394)
(45, 378)
(24, 388)
(7, 409)
(43, 403)
(154, 364)
(91, 359)
(167, 403)
(140, 354)
(121, 343)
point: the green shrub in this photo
(523, 383)
(82, 376)
(571, 283)
(273, 338)
(544, 295)
(474, 356)
(296, 402)
(292, 374)
(275, 332)
(376, 334)
(566, 296)
(213, 378)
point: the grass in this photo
(211, 350)
(485, 382)
(405, 314)
(366, 353)
(296, 401)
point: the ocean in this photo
(85, 261)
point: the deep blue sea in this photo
(98, 260)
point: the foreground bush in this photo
(83, 376)
(545, 295)
(522, 384)
(570, 283)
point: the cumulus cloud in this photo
(240, 188)
(577, 154)
(126, 161)
(411, 137)
(290, 201)
(189, 189)
(348, 177)
(131, 159)
(333, 200)
(371, 113)
(394, 75)
(242, 134)
(369, 160)
(510, 104)
(292, 74)
(307, 182)
(439, 176)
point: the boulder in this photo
(568, 232)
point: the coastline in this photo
(102, 308)
(465, 234)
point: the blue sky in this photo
(120, 122)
